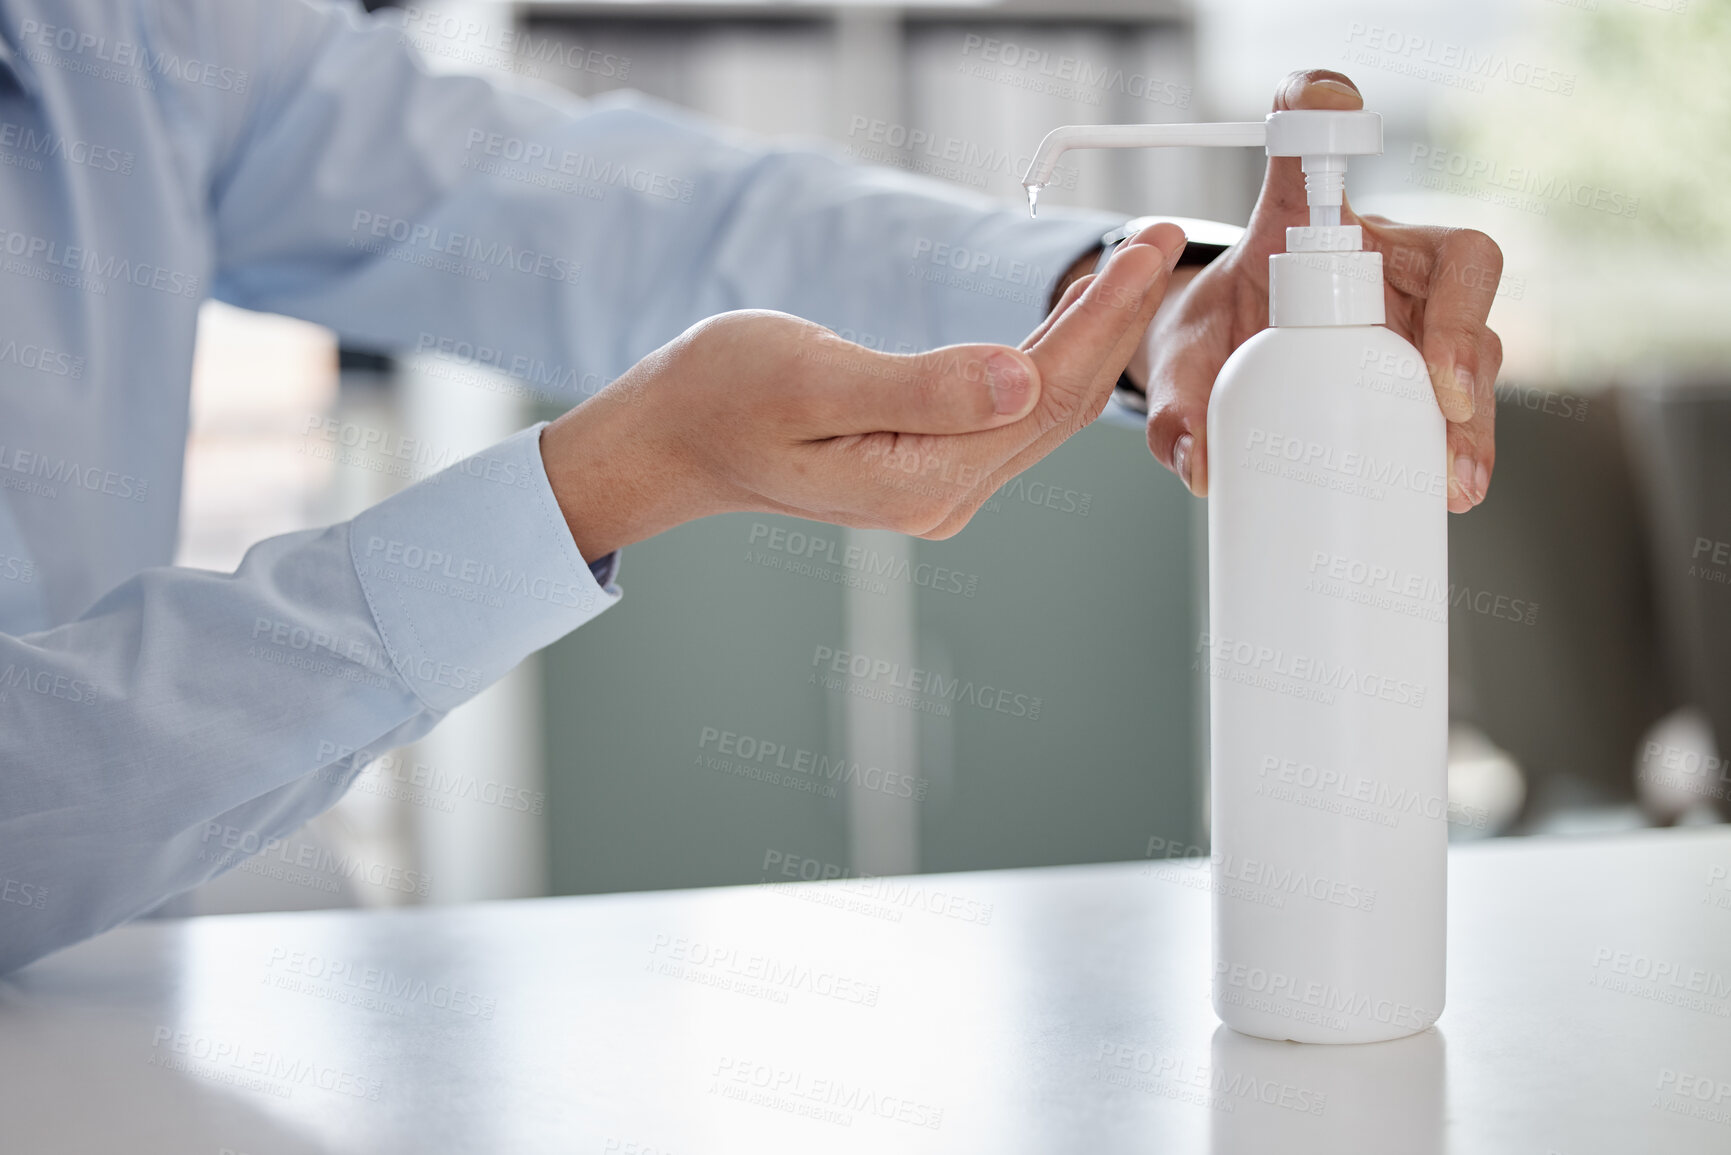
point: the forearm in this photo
(177, 703)
(560, 241)
(189, 718)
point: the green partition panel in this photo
(1082, 575)
(1087, 570)
(644, 791)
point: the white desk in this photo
(1075, 1020)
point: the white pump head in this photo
(1323, 140)
(1323, 278)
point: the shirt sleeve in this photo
(189, 718)
(560, 241)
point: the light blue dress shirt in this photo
(158, 725)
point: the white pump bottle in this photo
(1327, 642)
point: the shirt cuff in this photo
(606, 569)
(473, 569)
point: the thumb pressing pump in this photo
(1327, 642)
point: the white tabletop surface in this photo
(1053, 1010)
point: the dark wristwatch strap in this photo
(1204, 241)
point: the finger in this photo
(1455, 273)
(1180, 385)
(1472, 443)
(1107, 320)
(1070, 297)
(956, 389)
(1074, 290)
(1321, 88)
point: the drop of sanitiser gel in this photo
(1033, 199)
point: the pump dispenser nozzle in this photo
(1331, 287)
(1324, 139)
(1240, 134)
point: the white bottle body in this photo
(1327, 656)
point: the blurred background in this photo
(1590, 625)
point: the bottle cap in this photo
(1307, 289)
